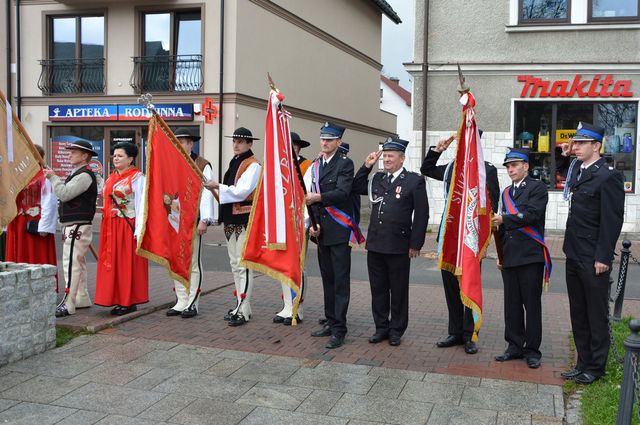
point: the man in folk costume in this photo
(461, 321)
(329, 182)
(526, 262)
(236, 196)
(31, 235)
(77, 195)
(399, 217)
(596, 211)
(187, 301)
(284, 316)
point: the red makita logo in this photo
(607, 87)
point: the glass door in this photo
(115, 135)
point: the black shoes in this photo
(585, 378)
(114, 310)
(533, 362)
(171, 312)
(62, 311)
(228, 316)
(189, 313)
(278, 319)
(394, 340)
(470, 347)
(571, 373)
(287, 321)
(325, 331)
(237, 320)
(335, 342)
(322, 321)
(378, 337)
(506, 356)
(450, 341)
(121, 311)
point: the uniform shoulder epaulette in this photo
(490, 164)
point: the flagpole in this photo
(312, 216)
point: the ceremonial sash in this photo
(339, 216)
(511, 208)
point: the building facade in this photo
(83, 66)
(397, 100)
(537, 68)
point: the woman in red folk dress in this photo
(31, 235)
(123, 276)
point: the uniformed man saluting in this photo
(523, 266)
(596, 211)
(399, 217)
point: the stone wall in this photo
(27, 310)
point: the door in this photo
(115, 135)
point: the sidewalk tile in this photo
(110, 399)
(41, 389)
(456, 415)
(508, 399)
(513, 418)
(205, 386)
(275, 396)
(432, 392)
(82, 417)
(177, 359)
(270, 373)
(319, 402)
(347, 382)
(5, 404)
(340, 368)
(380, 409)
(10, 379)
(31, 413)
(167, 407)
(125, 420)
(225, 367)
(469, 381)
(543, 420)
(152, 379)
(112, 373)
(263, 415)
(387, 387)
(205, 412)
(44, 365)
(397, 373)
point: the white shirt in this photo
(48, 209)
(206, 199)
(394, 175)
(243, 188)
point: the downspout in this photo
(221, 90)
(8, 11)
(425, 67)
(18, 90)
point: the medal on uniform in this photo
(398, 190)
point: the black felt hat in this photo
(296, 140)
(82, 145)
(242, 133)
(187, 132)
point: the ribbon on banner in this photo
(511, 208)
(9, 132)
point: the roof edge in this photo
(387, 10)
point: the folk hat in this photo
(516, 154)
(331, 131)
(82, 145)
(296, 140)
(395, 144)
(243, 133)
(187, 132)
(586, 131)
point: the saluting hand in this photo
(444, 143)
(372, 158)
(600, 267)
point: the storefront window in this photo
(536, 11)
(545, 126)
(613, 9)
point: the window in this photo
(543, 11)
(171, 53)
(545, 126)
(613, 10)
(76, 56)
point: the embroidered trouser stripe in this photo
(76, 244)
(186, 299)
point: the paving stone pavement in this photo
(89, 381)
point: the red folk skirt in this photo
(24, 247)
(122, 276)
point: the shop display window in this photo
(544, 126)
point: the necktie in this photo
(580, 173)
(389, 177)
(514, 190)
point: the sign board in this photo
(563, 136)
(169, 112)
(577, 87)
(83, 113)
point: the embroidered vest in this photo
(82, 208)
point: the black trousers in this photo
(460, 317)
(523, 309)
(589, 308)
(335, 269)
(389, 280)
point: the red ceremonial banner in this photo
(171, 202)
(275, 243)
(467, 230)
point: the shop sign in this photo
(563, 136)
(170, 112)
(83, 113)
(578, 87)
(60, 162)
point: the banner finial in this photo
(146, 100)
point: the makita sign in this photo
(578, 87)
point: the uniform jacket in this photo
(595, 214)
(336, 180)
(531, 200)
(399, 221)
(437, 172)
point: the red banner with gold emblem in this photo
(171, 202)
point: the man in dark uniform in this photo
(329, 181)
(399, 217)
(521, 222)
(596, 211)
(460, 317)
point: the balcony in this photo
(178, 73)
(71, 76)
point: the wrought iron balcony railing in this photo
(72, 76)
(181, 73)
